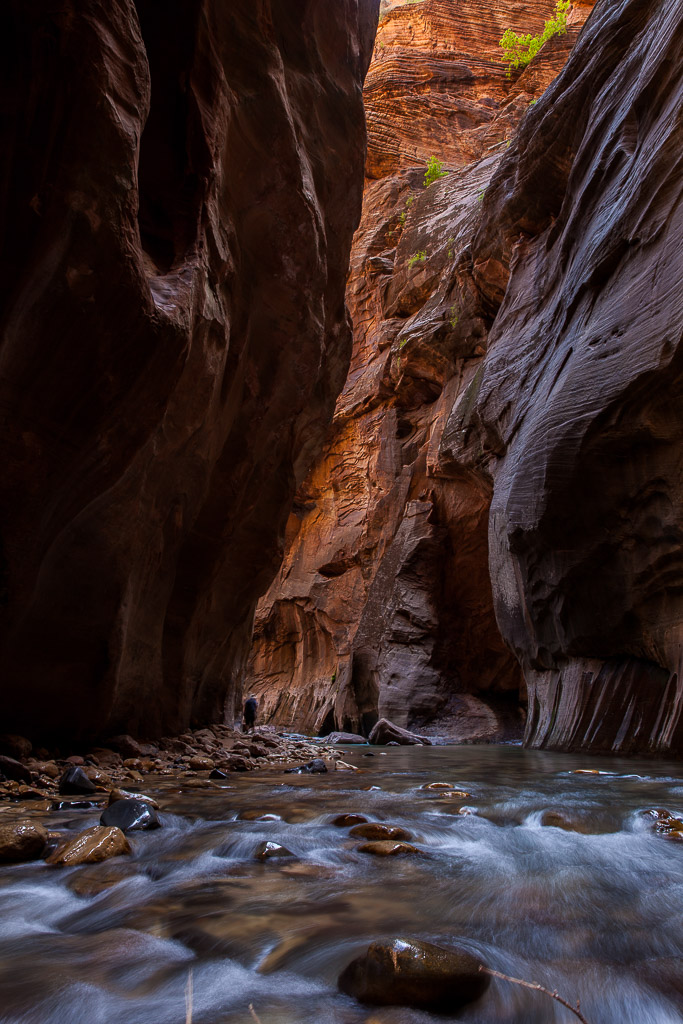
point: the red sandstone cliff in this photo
(383, 605)
(532, 358)
(178, 197)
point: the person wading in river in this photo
(249, 716)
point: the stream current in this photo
(595, 914)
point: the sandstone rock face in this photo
(383, 605)
(437, 85)
(579, 409)
(517, 344)
(178, 200)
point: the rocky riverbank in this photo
(43, 779)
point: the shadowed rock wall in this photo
(383, 605)
(178, 196)
(579, 410)
(517, 341)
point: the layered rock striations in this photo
(579, 410)
(178, 198)
(517, 342)
(383, 605)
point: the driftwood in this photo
(576, 1010)
(252, 1011)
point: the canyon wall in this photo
(178, 198)
(505, 460)
(383, 605)
(579, 410)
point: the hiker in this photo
(249, 717)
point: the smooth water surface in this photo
(595, 914)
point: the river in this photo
(191, 916)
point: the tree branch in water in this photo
(576, 1010)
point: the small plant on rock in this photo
(434, 171)
(454, 316)
(418, 257)
(519, 51)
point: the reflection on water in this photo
(593, 913)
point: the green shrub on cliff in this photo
(418, 257)
(519, 51)
(434, 171)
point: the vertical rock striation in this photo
(178, 197)
(580, 409)
(518, 343)
(383, 605)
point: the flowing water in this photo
(595, 914)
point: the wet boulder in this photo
(218, 773)
(90, 847)
(569, 822)
(123, 794)
(235, 763)
(75, 781)
(315, 767)
(130, 815)
(387, 848)
(376, 830)
(14, 770)
(22, 840)
(272, 851)
(345, 820)
(408, 972)
(385, 733)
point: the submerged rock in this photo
(74, 780)
(408, 972)
(90, 847)
(122, 794)
(344, 737)
(376, 830)
(130, 815)
(344, 820)
(315, 767)
(270, 851)
(385, 732)
(387, 848)
(22, 840)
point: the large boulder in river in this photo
(385, 732)
(408, 972)
(22, 840)
(74, 780)
(130, 815)
(90, 847)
